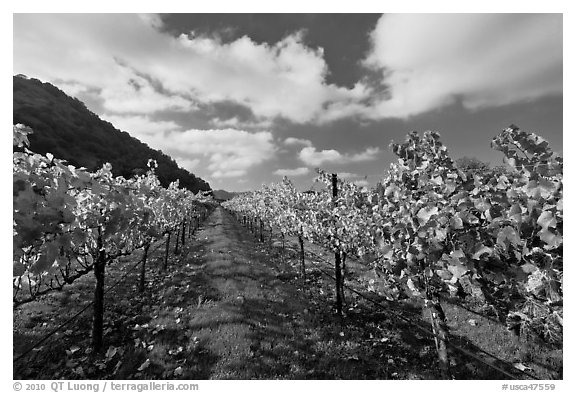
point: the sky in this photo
(244, 99)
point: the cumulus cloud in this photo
(361, 183)
(133, 66)
(422, 62)
(140, 126)
(281, 80)
(369, 154)
(313, 157)
(292, 172)
(235, 122)
(428, 61)
(188, 164)
(153, 20)
(347, 175)
(94, 53)
(228, 152)
(297, 142)
(71, 88)
(134, 94)
(310, 156)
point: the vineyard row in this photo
(68, 222)
(431, 227)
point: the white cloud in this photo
(134, 94)
(367, 155)
(426, 62)
(292, 172)
(297, 141)
(228, 152)
(140, 126)
(235, 122)
(361, 183)
(153, 20)
(99, 53)
(134, 67)
(285, 79)
(226, 123)
(347, 175)
(156, 133)
(73, 89)
(430, 60)
(218, 174)
(188, 164)
(313, 157)
(225, 153)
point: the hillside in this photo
(64, 127)
(223, 194)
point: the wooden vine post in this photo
(142, 283)
(270, 240)
(176, 251)
(99, 273)
(337, 257)
(302, 265)
(190, 226)
(439, 328)
(166, 253)
(184, 232)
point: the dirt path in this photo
(252, 320)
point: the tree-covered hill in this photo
(223, 195)
(64, 127)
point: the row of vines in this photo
(432, 229)
(68, 222)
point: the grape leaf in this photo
(426, 213)
(546, 220)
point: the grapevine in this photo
(68, 222)
(433, 229)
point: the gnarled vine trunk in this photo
(440, 330)
(98, 316)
